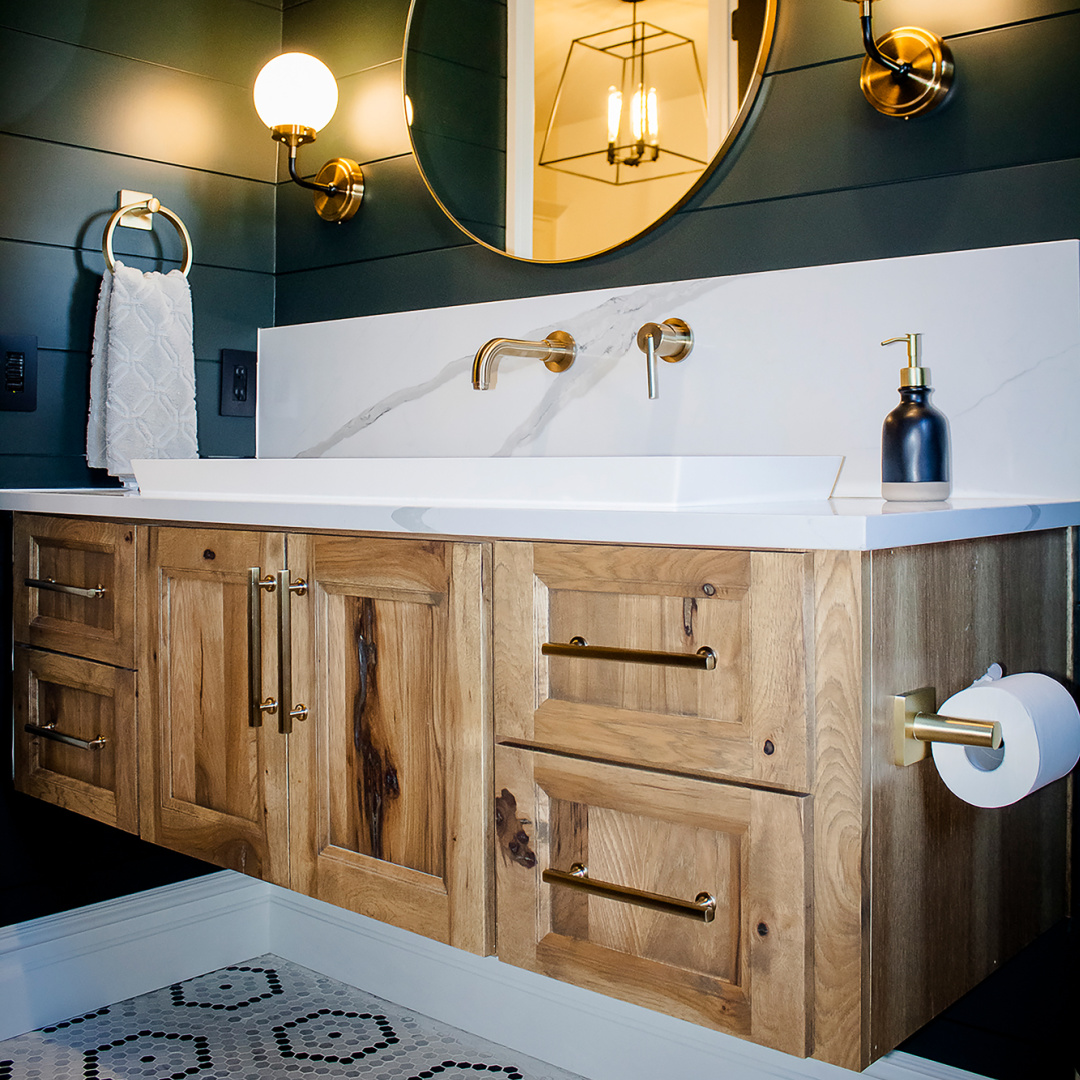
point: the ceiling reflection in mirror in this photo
(552, 130)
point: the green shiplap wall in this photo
(818, 177)
(99, 95)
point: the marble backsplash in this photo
(785, 362)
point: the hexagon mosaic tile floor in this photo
(261, 1020)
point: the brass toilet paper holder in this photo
(916, 724)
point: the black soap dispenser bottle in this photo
(915, 437)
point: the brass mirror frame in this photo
(746, 106)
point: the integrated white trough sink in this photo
(581, 483)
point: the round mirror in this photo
(552, 130)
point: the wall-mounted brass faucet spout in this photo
(557, 351)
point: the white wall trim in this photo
(71, 963)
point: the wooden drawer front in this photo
(93, 556)
(745, 718)
(391, 775)
(92, 703)
(214, 786)
(745, 972)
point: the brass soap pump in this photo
(915, 437)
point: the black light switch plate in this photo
(18, 373)
(238, 382)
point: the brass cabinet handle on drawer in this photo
(285, 589)
(48, 731)
(256, 706)
(72, 590)
(702, 907)
(703, 660)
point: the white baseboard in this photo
(71, 963)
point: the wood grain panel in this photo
(841, 810)
(745, 973)
(956, 890)
(88, 701)
(86, 554)
(390, 778)
(213, 786)
(744, 718)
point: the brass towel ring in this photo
(155, 207)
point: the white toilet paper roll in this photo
(1040, 731)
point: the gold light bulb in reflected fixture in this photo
(614, 114)
(643, 118)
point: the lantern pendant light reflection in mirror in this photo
(641, 64)
(296, 96)
(543, 188)
(907, 72)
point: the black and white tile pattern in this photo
(263, 1019)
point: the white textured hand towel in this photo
(142, 371)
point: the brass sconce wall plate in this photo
(928, 78)
(343, 181)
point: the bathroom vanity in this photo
(508, 737)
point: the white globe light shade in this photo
(295, 90)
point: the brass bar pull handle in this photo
(285, 589)
(48, 731)
(702, 660)
(72, 590)
(702, 907)
(256, 706)
(929, 727)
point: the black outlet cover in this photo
(238, 382)
(18, 373)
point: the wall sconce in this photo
(907, 72)
(295, 96)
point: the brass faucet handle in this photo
(672, 340)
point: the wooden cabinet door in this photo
(391, 773)
(81, 753)
(213, 785)
(74, 587)
(745, 972)
(744, 719)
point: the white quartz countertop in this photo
(830, 524)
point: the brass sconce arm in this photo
(907, 72)
(899, 70)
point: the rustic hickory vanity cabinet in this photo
(74, 666)
(673, 766)
(697, 808)
(315, 712)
